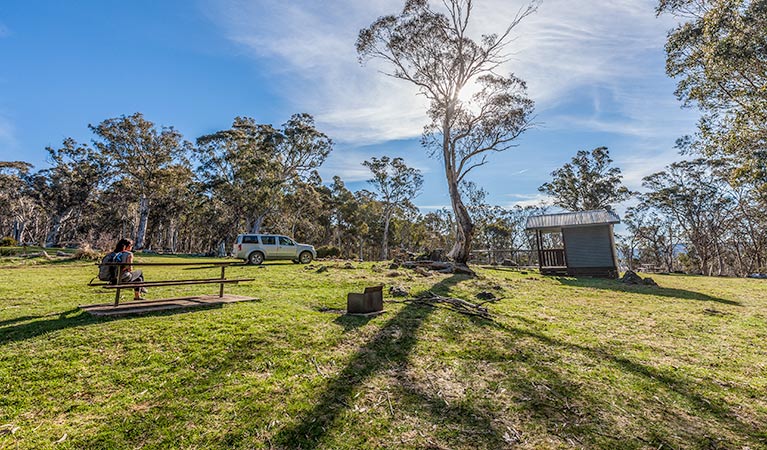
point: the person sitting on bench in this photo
(127, 274)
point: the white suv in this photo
(255, 248)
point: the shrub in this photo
(87, 252)
(8, 242)
(328, 251)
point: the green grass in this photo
(565, 363)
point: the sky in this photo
(595, 70)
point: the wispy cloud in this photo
(564, 47)
(592, 67)
(311, 45)
(433, 207)
(4, 30)
(528, 200)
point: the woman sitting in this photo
(123, 254)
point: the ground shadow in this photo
(388, 350)
(518, 269)
(352, 322)
(615, 285)
(76, 318)
(7, 322)
(551, 404)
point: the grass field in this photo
(566, 363)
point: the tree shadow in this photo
(388, 350)
(7, 322)
(564, 401)
(76, 318)
(352, 322)
(614, 285)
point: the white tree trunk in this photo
(143, 208)
(385, 241)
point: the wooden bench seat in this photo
(148, 284)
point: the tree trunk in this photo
(52, 238)
(18, 231)
(143, 209)
(464, 228)
(385, 240)
(257, 224)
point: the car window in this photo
(285, 241)
(239, 239)
(268, 240)
(250, 239)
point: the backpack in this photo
(108, 273)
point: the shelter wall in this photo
(589, 247)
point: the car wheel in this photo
(305, 257)
(256, 258)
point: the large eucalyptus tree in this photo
(142, 155)
(436, 52)
(397, 184)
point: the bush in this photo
(328, 251)
(8, 242)
(88, 253)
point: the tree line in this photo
(148, 183)
(702, 214)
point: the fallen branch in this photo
(458, 305)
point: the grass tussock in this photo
(564, 363)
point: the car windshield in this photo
(285, 241)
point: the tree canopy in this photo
(587, 182)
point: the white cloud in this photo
(561, 49)
(570, 44)
(523, 200)
(434, 207)
(311, 47)
(590, 66)
(349, 168)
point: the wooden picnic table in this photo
(222, 280)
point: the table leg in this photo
(117, 291)
(221, 286)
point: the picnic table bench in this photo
(222, 280)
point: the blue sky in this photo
(595, 70)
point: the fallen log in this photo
(458, 305)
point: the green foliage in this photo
(718, 55)
(143, 158)
(588, 182)
(698, 202)
(397, 184)
(8, 241)
(68, 186)
(253, 169)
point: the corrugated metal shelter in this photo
(587, 243)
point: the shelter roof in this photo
(572, 219)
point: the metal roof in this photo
(572, 219)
